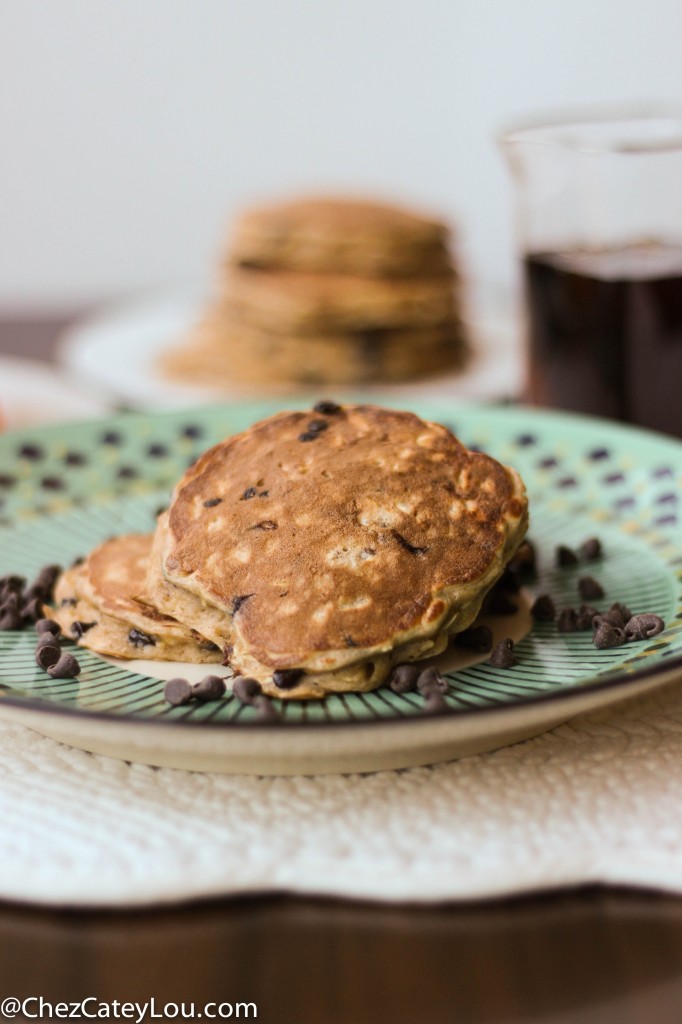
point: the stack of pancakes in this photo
(313, 552)
(329, 291)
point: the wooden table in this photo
(594, 956)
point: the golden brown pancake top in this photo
(319, 532)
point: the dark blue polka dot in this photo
(665, 520)
(626, 502)
(52, 483)
(75, 459)
(31, 451)
(599, 453)
(476, 448)
(524, 440)
(127, 473)
(613, 478)
(111, 437)
(667, 499)
(157, 451)
(662, 471)
(548, 463)
(192, 430)
(567, 481)
(7, 480)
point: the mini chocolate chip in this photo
(585, 616)
(404, 678)
(431, 681)
(567, 620)
(177, 691)
(622, 610)
(48, 639)
(434, 701)
(525, 560)
(32, 610)
(265, 524)
(79, 629)
(237, 602)
(47, 655)
(265, 709)
(212, 502)
(589, 588)
(543, 608)
(66, 668)
(68, 602)
(140, 639)
(503, 655)
(317, 426)
(308, 435)
(565, 557)
(246, 689)
(287, 678)
(475, 638)
(249, 493)
(11, 620)
(327, 408)
(606, 635)
(497, 602)
(48, 626)
(510, 580)
(349, 641)
(591, 549)
(644, 626)
(405, 543)
(31, 451)
(209, 688)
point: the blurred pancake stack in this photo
(328, 291)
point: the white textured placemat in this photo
(597, 800)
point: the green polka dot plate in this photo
(63, 489)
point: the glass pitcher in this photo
(599, 220)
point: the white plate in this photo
(34, 393)
(117, 351)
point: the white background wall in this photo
(132, 130)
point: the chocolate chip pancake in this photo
(227, 351)
(301, 303)
(318, 548)
(342, 236)
(95, 604)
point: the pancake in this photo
(228, 351)
(321, 234)
(95, 604)
(302, 303)
(335, 544)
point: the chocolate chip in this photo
(32, 610)
(287, 678)
(497, 602)
(44, 582)
(525, 560)
(644, 626)
(140, 639)
(565, 557)
(48, 638)
(405, 543)
(246, 689)
(606, 635)
(237, 602)
(622, 611)
(503, 655)
(317, 426)
(308, 435)
(567, 620)
(431, 681)
(434, 701)
(48, 626)
(265, 709)
(265, 524)
(589, 588)
(510, 580)
(177, 691)
(11, 603)
(585, 616)
(12, 584)
(591, 549)
(212, 502)
(249, 493)
(11, 620)
(79, 629)
(326, 408)
(66, 668)
(543, 608)
(475, 638)
(209, 688)
(47, 655)
(404, 678)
